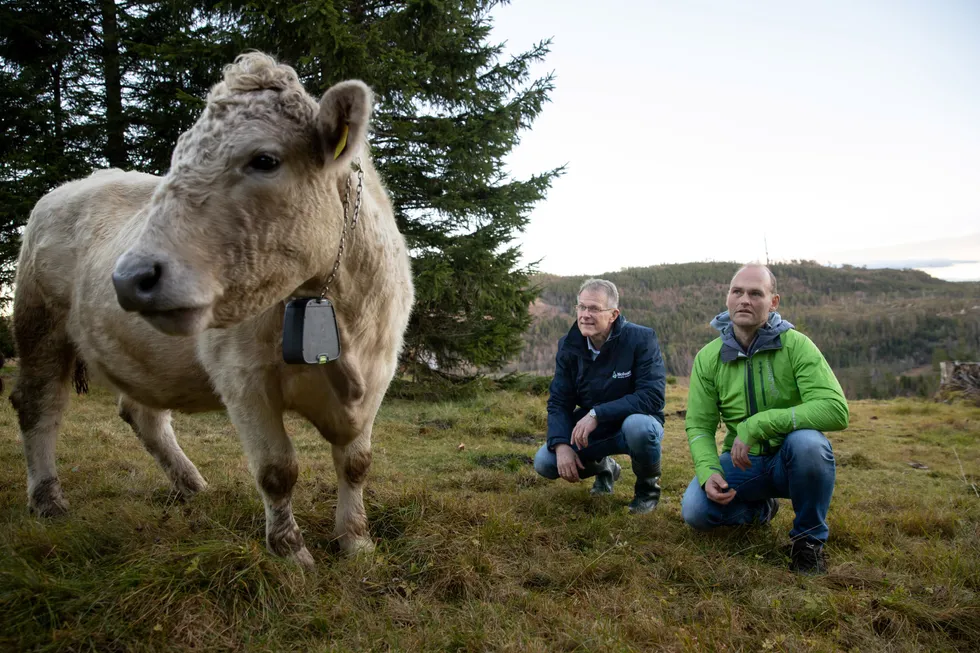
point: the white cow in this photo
(202, 260)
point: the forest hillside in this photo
(883, 331)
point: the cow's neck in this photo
(360, 279)
(361, 276)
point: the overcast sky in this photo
(836, 130)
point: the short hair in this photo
(607, 287)
(772, 277)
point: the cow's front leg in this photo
(352, 463)
(272, 459)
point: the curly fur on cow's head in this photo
(251, 207)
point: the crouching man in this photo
(607, 398)
(777, 396)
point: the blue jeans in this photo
(803, 470)
(640, 437)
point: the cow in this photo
(172, 290)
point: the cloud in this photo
(912, 263)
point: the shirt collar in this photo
(592, 350)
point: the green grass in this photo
(476, 553)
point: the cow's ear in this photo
(345, 111)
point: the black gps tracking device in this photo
(309, 332)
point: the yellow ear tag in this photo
(342, 144)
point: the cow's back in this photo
(70, 246)
(79, 225)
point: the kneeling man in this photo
(607, 398)
(777, 396)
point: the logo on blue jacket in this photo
(622, 375)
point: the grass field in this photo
(475, 553)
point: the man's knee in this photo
(642, 430)
(546, 463)
(695, 509)
(696, 515)
(808, 447)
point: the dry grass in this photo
(475, 553)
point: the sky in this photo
(696, 130)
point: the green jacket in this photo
(783, 383)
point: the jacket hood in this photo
(767, 336)
(723, 320)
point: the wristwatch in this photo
(592, 414)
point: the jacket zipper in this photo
(762, 384)
(753, 409)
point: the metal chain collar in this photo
(352, 222)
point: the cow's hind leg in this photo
(40, 397)
(352, 463)
(154, 429)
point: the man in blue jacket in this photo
(607, 398)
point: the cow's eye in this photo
(264, 162)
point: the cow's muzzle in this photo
(137, 282)
(148, 286)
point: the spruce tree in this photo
(45, 136)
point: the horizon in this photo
(839, 266)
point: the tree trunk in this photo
(59, 116)
(958, 377)
(115, 149)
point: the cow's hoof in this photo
(304, 559)
(357, 545)
(50, 509)
(189, 484)
(48, 501)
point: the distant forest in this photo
(883, 331)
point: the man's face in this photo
(750, 298)
(594, 315)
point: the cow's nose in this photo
(137, 282)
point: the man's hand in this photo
(580, 434)
(740, 455)
(568, 463)
(718, 491)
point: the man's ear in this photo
(345, 111)
(775, 303)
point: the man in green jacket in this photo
(777, 396)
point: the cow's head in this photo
(250, 209)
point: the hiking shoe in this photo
(605, 478)
(807, 558)
(768, 512)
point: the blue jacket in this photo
(626, 378)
